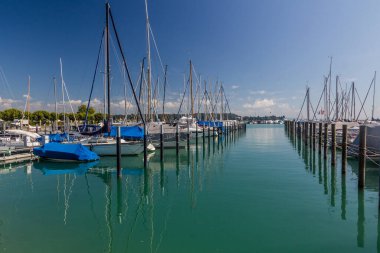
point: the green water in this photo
(260, 191)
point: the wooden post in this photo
(306, 129)
(177, 140)
(162, 143)
(320, 138)
(344, 149)
(333, 144)
(362, 155)
(325, 141)
(118, 152)
(298, 129)
(196, 134)
(145, 147)
(311, 134)
(314, 135)
(208, 132)
(203, 132)
(188, 136)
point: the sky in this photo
(265, 53)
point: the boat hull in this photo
(104, 149)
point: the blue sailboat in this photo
(74, 152)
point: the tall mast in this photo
(28, 101)
(108, 66)
(149, 62)
(353, 101)
(337, 99)
(329, 93)
(221, 101)
(163, 102)
(191, 90)
(205, 116)
(308, 103)
(373, 99)
(55, 98)
(63, 97)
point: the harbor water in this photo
(254, 191)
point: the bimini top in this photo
(65, 152)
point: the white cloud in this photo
(6, 103)
(258, 92)
(260, 103)
(234, 87)
(172, 105)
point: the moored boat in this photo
(74, 152)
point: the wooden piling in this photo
(118, 152)
(162, 143)
(188, 136)
(333, 144)
(344, 149)
(208, 133)
(320, 137)
(145, 147)
(314, 135)
(177, 140)
(362, 155)
(196, 134)
(306, 130)
(326, 134)
(310, 134)
(203, 133)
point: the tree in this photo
(11, 114)
(83, 108)
(98, 117)
(53, 116)
(40, 116)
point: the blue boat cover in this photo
(130, 132)
(69, 151)
(60, 137)
(218, 124)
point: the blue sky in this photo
(264, 52)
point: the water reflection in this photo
(371, 183)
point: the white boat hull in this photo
(109, 149)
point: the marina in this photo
(218, 196)
(184, 126)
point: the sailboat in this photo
(106, 144)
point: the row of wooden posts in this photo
(307, 130)
(230, 127)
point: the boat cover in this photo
(218, 124)
(130, 132)
(60, 137)
(69, 151)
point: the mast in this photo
(163, 103)
(337, 99)
(329, 93)
(205, 116)
(308, 103)
(63, 98)
(108, 67)
(221, 101)
(191, 91)
(28, 101)
(55, 98)
(373, 99)
(353, 101)
(149, 62)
